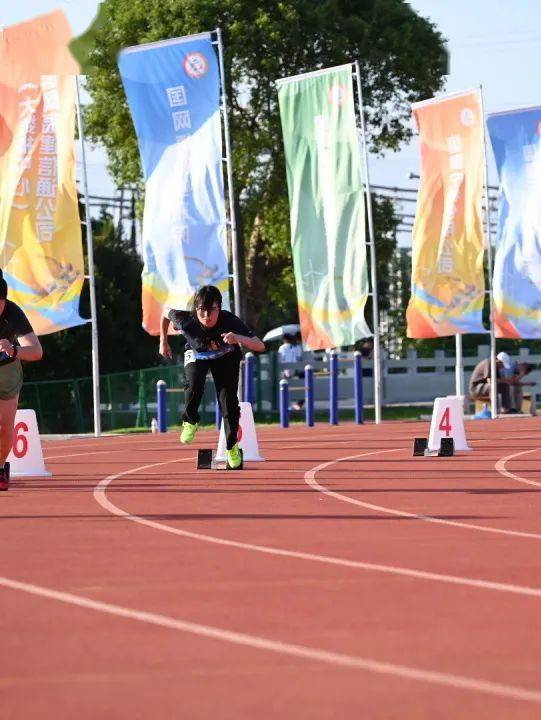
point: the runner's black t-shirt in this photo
(199, 338)
(13, 324)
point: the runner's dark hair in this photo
(206, 297)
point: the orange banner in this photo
(448, 287)
(40, 233)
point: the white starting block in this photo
(247, 437)
(26, 456)
(448, 422)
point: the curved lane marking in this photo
(301, 651)
(500, 467)
(310, 479)
(102, 499)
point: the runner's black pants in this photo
(225, 373)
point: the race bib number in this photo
(189, 357)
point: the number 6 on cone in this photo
(26, 456)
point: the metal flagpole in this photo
(459, 367)
(375, 312)
(91, 283)
(229, 165)
(493, 382)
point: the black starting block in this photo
(419, 446)
(447, 447)
(204, 459)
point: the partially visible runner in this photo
(214, 337)
(17, 342)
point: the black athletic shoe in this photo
(4, 480)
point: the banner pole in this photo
(493, 381)
(372, 243)
(459, 366)
(91, 273)
(236, 305)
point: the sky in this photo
(495, 44)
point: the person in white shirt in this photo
(289, 351)
(514, 372)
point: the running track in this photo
(342, 578)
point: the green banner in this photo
(327, 206)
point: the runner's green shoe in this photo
(234, 457)
(188, 432)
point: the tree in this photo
(402, 61)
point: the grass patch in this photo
(392, 412)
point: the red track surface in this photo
(314, 585)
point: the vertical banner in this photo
(448, 288)
(326, 204)
(40, 234)
(173, 90)
(516, 141)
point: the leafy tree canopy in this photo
(402, 60)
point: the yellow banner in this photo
(40, 233)
(448, 286)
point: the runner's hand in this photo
(6, 346)
(165, 348)
(230, 338)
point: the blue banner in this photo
(515, 138)
(173, 90)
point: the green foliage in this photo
(123, 344)
(402, 59)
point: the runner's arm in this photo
(29, 348)
(252, 343)
(165, 348)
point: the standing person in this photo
(215, 336)
(515, 371)
(17, 342)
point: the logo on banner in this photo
(196, 65)
(467, 117)
(337, 94)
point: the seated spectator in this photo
(480, 384)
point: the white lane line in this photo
(90, 452)
(500, 467)
(102, 499)
(301, 651)
(310, 479)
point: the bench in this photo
(528, 404)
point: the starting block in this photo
(204, 459)
(447, 447)
(421, 448)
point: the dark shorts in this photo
(11, 380)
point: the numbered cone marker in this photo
(448, 422)
(26, 456)
(246, 436)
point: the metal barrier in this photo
(161, 402)
(308, 390)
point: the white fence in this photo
(410, 380)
